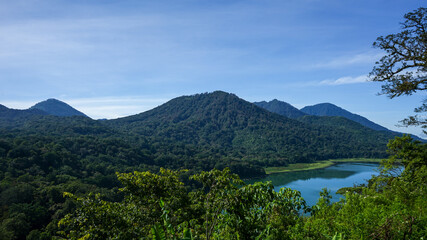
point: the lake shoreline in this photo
(296, 167)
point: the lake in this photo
(311, 182)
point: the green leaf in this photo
(158, 233)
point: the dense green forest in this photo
(161, 206)
(43, 156)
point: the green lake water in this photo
(311, 182)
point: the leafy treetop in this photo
(403, 69)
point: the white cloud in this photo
(18, 104)
(363, 58)
(115, 107)
(345, 80)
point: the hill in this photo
(282, 108)
(328, 109)
(225, 126)
(57, 108)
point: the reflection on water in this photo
(311, 182)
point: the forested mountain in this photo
(282, 108)
(212, 130)
(329, 116)
(322, 109)
(235, 128)
(57, 108)
(326, 114)
(328, 109)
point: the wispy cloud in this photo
(345, 80)
(362, 58)
(115, 107)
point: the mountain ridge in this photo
(56, 107)
(329, 109)
(10, 113)
(328, 114)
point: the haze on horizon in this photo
(110, 59)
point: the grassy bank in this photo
(317, 165)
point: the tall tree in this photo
(404, 68)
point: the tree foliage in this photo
(221, 208)
(403, 69)
(159, 206)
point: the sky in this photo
(111, 59)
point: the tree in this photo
(160, 206)
(404, 68)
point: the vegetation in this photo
(159, 206)
(57, 108)
(43, 156)
(403, 69)
(282, 108)
(392, 205)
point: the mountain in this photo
(221, 125)
(328, 109)
(282, 108)
(57, 108)
(326, 114)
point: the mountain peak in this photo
(56, 107)
(282, 108)
(218, 94)
(53, 100)
(324, 107)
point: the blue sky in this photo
(116, 58)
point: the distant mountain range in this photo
(55, 107)
(325, 114)
(198, 132)
(322, 109)
(218, 125)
